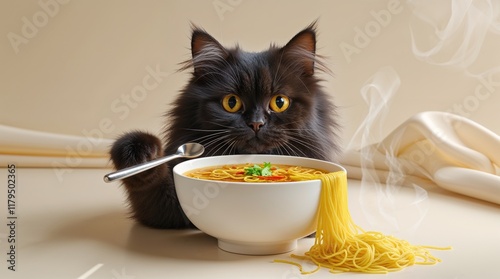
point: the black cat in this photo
(236, 102)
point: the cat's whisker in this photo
(297, 142)
(229, 147)
(307, 145)
(281, 150)
(208, 137)
(206, 130)
(278, 150)
(286, 149)
(295, 130)
(217, 147)
(233, 148)
(310, 134)
(292, 150)
(216, 144)
(209, 140)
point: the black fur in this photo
(307, 128)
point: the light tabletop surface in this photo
(70, 224)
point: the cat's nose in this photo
(256, 125)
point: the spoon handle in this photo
(126, 172)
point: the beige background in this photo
(73, 67)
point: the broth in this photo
(255, 173)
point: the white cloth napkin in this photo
(454, 152)
(28, 148)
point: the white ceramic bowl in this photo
(251, 218)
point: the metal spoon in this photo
(187, 150)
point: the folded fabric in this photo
(454, 152)
(28, 148)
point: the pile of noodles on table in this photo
(341, 245)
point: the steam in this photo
(459, 27)
(380, 199)
(458, 30)
(377, 93)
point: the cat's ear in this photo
(302, 49)
(206, 51)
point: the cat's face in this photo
(268, 102)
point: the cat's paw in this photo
(135, 148)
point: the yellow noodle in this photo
(341, 245)
(236, 173)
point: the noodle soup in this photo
(265, 172)
(255, 218)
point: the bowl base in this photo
(252, 248)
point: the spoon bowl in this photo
(190, 150)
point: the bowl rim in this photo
(175, 169)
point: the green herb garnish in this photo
(258, 170)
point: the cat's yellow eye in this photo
(279, 103)
(231, 103)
